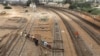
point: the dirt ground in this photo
(42, 29)
(88, 18)
(98, 17)
(13, 19)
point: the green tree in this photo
(28, 2)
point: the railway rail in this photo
(4, 48)
(95, 36)
(88, 15)
(90, 23)
(63, 9)
(28, 30)
(58, 49)
(12, 37)
(21, 40)
(80, 46)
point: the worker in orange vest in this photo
(76, 34)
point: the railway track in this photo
(17, 47)
(95, 36)
(58, 49)
(28, 30)
(90, 23)
(80, 46)
(12, 37)
(62, 9)
(88, 15)
(4, 48)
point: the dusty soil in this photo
(94, 47)
(42, 29)
(88, 18)
(98, 17)
(12, 20)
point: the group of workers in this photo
(36, 41)
(40, 42)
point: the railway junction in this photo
(45, 28)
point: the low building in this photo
(15, 1)
(1, 1)
(51, 1)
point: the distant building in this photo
(14, 1)
(94, 1)
(36, 2)
(51, 0)
(18, 1)
(1, 1)
(79, 1)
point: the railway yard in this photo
(69, 33)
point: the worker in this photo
(21, 33)
(0, 39)
(34, 7)
(49, 46)
(24, 34)
(32, 37)
(35, 41)
(45, 43)
(28, 36)
(76, 34)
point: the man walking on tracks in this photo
(76, 34)
(28, 36)
(36, 42)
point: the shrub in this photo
(7, 7)
(96, 12)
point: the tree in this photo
(28, 3)
(68, 1)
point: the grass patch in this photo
(95, 11)
(86, 7)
